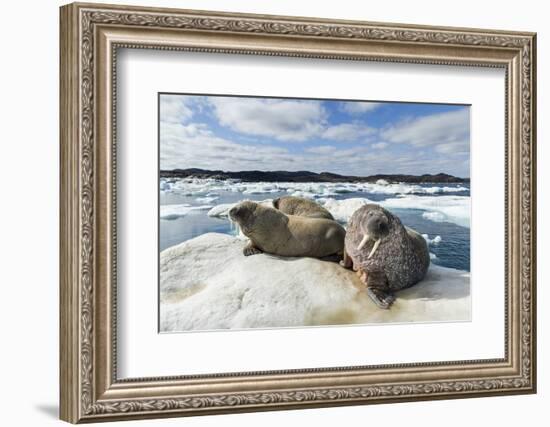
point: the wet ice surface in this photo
(192, 207)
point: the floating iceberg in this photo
(227, 290)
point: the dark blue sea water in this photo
(453, 251)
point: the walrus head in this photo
(375, 225)
(255, 219)
(243, 215)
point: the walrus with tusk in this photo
(386, 255)
(274, 232)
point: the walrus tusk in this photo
(376, 244)
(363, 242)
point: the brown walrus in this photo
(292, 205)
(274, 232)
(387, 255)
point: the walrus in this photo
(276, 233)
(386, 255)
(300, 206)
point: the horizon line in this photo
(311, 172)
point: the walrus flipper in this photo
(251, 249)
(378, 290)
(383, 299)
(346, 262)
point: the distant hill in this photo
(307, 176)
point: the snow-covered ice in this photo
(229, 290)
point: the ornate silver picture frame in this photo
(91, 36)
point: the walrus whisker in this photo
(376, 244)
(236, 225)
(363, 242)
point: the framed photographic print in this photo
(266, 212)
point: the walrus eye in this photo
(234, 211)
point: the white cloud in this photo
(347, 132)
(282, 119)
(430, 144)
(194, 145)
(446, 132)
(453, 148)
(321, 149)
(173, 109)
(358, 107)
(379, 145)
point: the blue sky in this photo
(346, 137)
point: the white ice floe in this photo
(261, 188)
(222, 210)
(455, 209)
(433, 216)
(342, 210)
(206, 283)
(197, 187)
(165, 185)
(407, 189)
(303, 194)
(436, 205)
(207, 199)
(435, 241)
(169, 212)
(201, 187)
